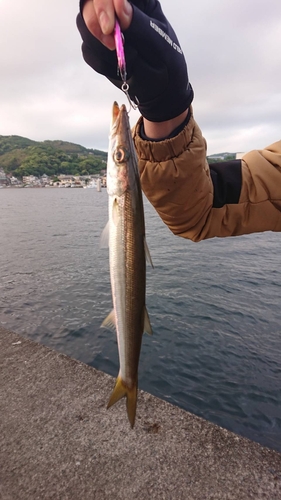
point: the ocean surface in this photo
(215, 306)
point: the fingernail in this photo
(127, 8)
(104, 22)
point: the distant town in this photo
(58, 181)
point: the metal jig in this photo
(121, 69)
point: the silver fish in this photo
(127, 256)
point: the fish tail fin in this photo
(120, 390)
(147, 326)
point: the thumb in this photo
(124, 12)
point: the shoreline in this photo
(57, 440)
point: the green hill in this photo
(220, 157)
(21, 156)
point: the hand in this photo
(99, 17)
(156, 68)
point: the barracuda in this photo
(127, 257)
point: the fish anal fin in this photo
(121, 390)
(147, 253)
(109, 321)
(104, 239)
(146, 324)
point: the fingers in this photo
(92, 21)
(99, 16)
(106, 10)
(124, 12)
(105, 14)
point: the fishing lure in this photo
(119, 44)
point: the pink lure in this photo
(118, 37)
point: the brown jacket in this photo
(175, 177)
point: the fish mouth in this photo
(118, 113)
(115, 112)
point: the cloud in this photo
(235, 70)
(233, 56)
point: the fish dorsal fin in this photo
(104, 239)
(146, 325)
(147, 253)
(109, 321)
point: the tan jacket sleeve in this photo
(175, 177)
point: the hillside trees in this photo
(20, 156)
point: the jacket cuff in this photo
(164, 149)
(174, 133)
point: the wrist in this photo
(162, 130)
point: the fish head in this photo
(120, 152)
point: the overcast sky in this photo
(233, 52)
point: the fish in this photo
(128, 253)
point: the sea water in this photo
(214, 306)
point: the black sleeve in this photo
(227, 180)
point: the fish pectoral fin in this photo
(121, 390)
(115, 212)
(104, 239)
(109, 321)
(147, 253)
(146, 324)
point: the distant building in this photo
(14, 181)
(29, 179)
(239, 156)
(217, 157)
(44, 180)
(4, 180)
(66, 179)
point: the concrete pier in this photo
(58, 441)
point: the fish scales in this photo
(135, 287)
(127, 255)
(134, 292)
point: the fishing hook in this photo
(133, 104)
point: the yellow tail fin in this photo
(120, 390)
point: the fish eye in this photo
(120, 154)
